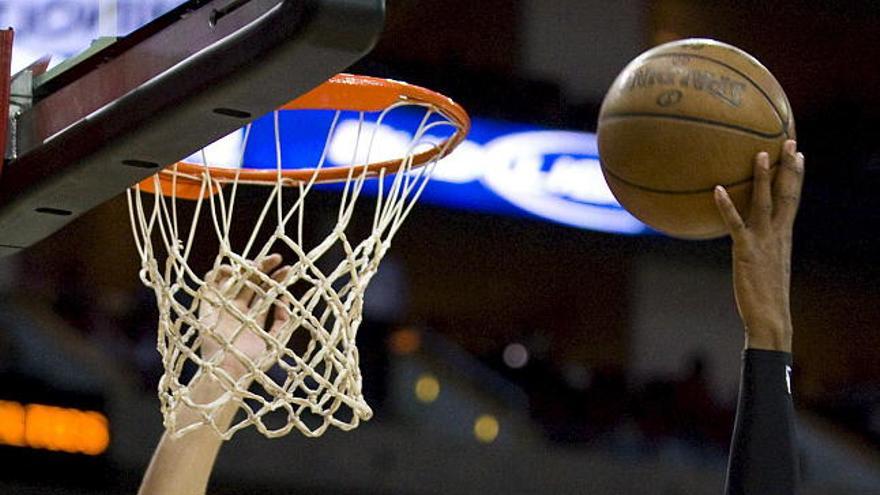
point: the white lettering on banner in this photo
(226, 152)
(465, 164)
(579, 179)
(387, 143)
(355, 143)
(570, 189)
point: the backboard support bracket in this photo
(21, 99)
(6, 39)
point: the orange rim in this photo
(341, 92)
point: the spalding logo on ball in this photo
(682, 118)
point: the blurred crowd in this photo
(572, 404)
(606, 408)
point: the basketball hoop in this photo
(308, 378)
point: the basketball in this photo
(682, 118)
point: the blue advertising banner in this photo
(502, 167)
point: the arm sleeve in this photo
(762, 453)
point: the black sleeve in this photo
(762, 453)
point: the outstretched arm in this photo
(763, 457)
(182, 466)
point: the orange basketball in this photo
(682, 118)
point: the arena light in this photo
(427, 388)
(515, 355)
(39, 426)
(486, 428)
(404, 341)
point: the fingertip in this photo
(763, 161)
(722, 200)
(727, 210)
(790, 147)
(281, 274)
(269, 262)
(281, 313)
(218, 274)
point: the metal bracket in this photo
(21, 99)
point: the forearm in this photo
(763, 456)
(183, 466)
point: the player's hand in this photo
(228, 299)
(762, 249)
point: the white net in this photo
(276, 334)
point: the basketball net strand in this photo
(308, 387)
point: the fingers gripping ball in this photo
(683, 118)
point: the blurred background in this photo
(507, 348)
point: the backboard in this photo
(169, 78)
